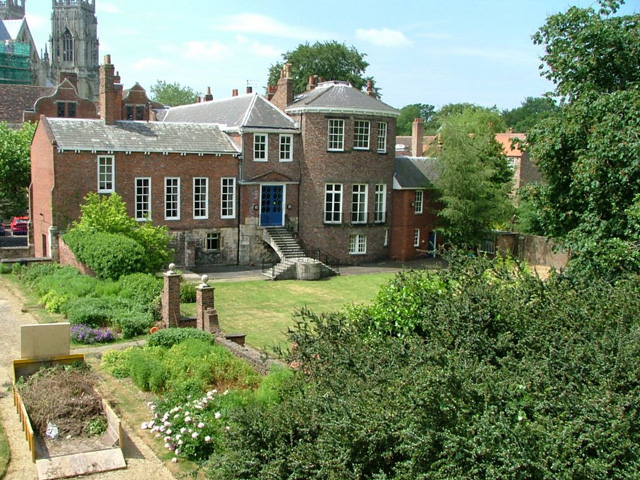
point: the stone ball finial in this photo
(172, 266)
(205, 279)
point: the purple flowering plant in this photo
(83, 334)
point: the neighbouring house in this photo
(180, 175)
(524, 169)
(347, 165)
(269, 166)
(228, 176)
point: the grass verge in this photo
(5, 454)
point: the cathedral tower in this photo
(74, 44)
(12, 9)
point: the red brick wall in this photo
(48, 106)
(405, 221)
(348, 168)
(41, 187)
(67, 258)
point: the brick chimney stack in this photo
(249, 89)
(208, 97)
(110, 92)
(234, 92)
(417, 133)
(370, 91)
(283, 95)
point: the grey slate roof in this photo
(4, 33)
(339, 97)
(414, 173)
(127, 136)
(245, 111)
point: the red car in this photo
(19, 225)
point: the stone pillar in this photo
(204, 302)
(211, 324)
(171, 298)
(54, 245)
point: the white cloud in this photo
(105, 7)
(36, 22)
(384, 37)
(150, 63)
(258, 48)
(202, 50)
(264, 25)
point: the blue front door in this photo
(433, 245)
(271, 213)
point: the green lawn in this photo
(263, 310)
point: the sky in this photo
(422, 51)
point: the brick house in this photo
(181, 176)
(348, 141)
(269, 164)
(524, 169)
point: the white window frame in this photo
(335, 135)
(143, 198)
(418, 202)
(172, 198)
(357, 244)
(386, 237)
(361, 134)
(260, 147)
(359, 201)
(200, 198)
(285, 149)
(416, 237)
(210, 238)
(382, 137)
(106, 173)
(333, 199)
(227, 197)
(380, 201)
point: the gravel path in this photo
(141, 461)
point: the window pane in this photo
(143, 198)
(361, 135)
(105, 174)
(228, 198)
(286, 145)
(359, 204)
(200, 197)
(382, 137)
(172, 198)
(336, 135)
(381, 203)
(333, 203)
(259, 147)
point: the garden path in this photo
(141, 461)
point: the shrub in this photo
(93, 312)
(143, 288)
(29, 274)
(168, 337)
(147, 370)
(109, 255)
(132, 323)
(116, 362)
(5, 268)
(187, 292)
(88, 335)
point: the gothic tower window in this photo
(67, 46)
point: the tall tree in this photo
(410, 112)
(172, 94)
(329, 60)
(474, 179)
(590, 154)
(453, 109)
(530, 112)
(15, 168)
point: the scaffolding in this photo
(15, 63)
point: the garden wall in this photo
(68, 258)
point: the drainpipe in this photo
(239, 213)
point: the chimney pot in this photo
(249, 89)
(234, 92)
(107, 59)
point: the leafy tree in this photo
(108, 214)
(474, 179)
(479, 371)
(530, 112)
(15, 168)
(172, 94)
(409, 113)
(329, 60)
(589, 154)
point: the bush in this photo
(125, 315)
(116, 362)
(494, 374)
(109, 255)
(187, 292)
(168, 337)
(5, 268)
(142, 288)
(133, 323)
(88, 335)
(93, 312)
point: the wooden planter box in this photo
(72, 464)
